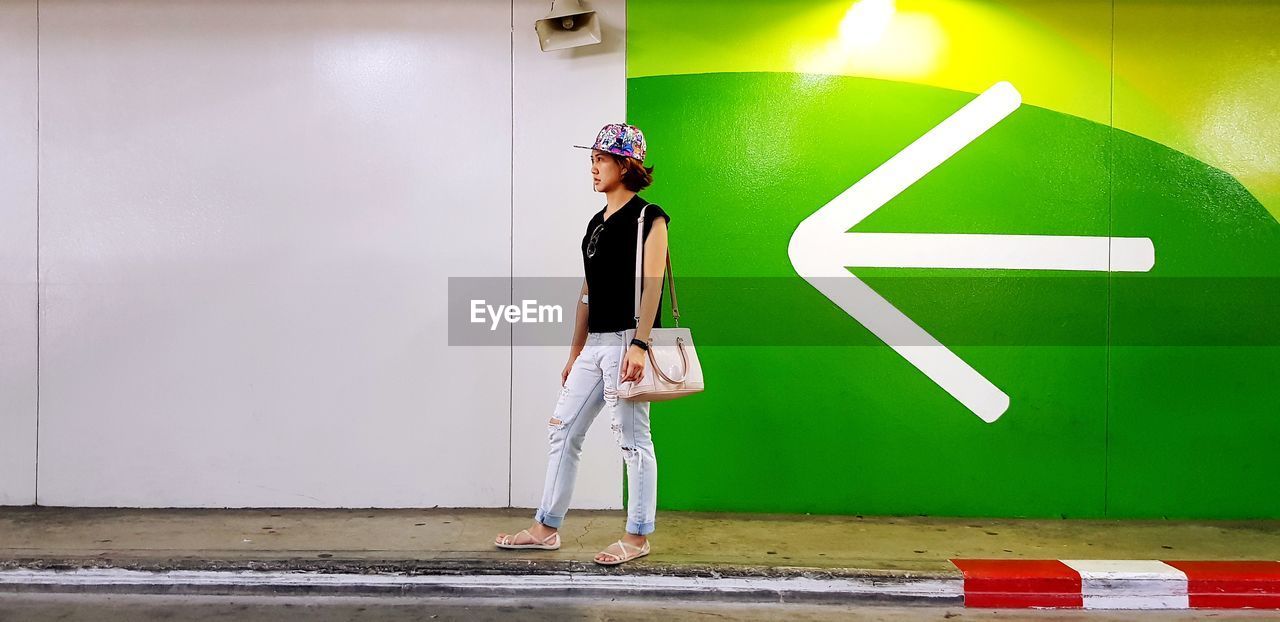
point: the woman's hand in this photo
(633, 364)
(564, 375)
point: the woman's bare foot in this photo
(538, 530)
(614, 552)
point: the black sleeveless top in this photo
(611, 270)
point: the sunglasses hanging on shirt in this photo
(595, 237)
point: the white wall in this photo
(248, 215)
(17, 252)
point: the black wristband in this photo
(643, 346)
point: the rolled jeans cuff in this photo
(547, 519)
(640, 529)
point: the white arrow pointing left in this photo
(821, 250)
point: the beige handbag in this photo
(673, 369)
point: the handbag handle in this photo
(684, 363)
(671, 277)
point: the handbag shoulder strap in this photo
(671, 277)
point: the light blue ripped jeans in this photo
(591, 385)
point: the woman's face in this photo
(605, 172)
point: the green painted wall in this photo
(1148, 394)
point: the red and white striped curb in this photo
(1120, 584)
(985, 583)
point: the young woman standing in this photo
(596, 364)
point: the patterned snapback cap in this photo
(620, 139)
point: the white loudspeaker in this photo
(568, 26)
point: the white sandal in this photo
(508, 541)
(640, 552)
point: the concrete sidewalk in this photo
(459, 541)
(696, 556)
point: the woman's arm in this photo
(655, 263)
(579, 334)
(579, 324)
